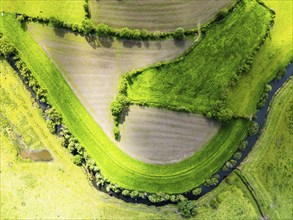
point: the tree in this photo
(20, 18)
(116, 108)
(55, 22)
(6, 49)
(125, 33)
(179, 33)
(253, 128)
(77, 159)
(196, 191)
(214, 203)
(103, 30)
(187, 208)
(87, 26)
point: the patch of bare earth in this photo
(162, 15)
(161, 136)
(92, 66)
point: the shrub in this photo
(116, 132)
(179, 33)
(20, 18)
(77, 160)
(237, 156)
(103, 29)
(6, 49)
(214, 203)
(55, 22)
(125, 192)
(187, 208)
(243, 145)
(196, 191)
(125, 33)
(253, 128)
(116, 108)
(87, 26)
(134, 194)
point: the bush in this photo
(214, 203)
(253, 128)
(125, 192)
(87, 26)
(21, 18)
(134, 194)
(55, 22)
(196, 191)
(77, 160)
(103, 30)
(243, 145)
(6, 49)
(237, 156)
(179, 33)
(187, 208)
(116, 132)
(125, 33)
(116, 108)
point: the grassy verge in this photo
(230, 200)
(65, 10)
(268, 167)
(54, 190)
(202, 76)
(272, 58)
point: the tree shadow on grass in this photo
(23, 26)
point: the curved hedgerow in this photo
(85, 138)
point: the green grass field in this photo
(65, 10)
(273, 56)
(234, 202)
(116, 165)
(269, 166)
(202, 77)
(60, 190)
(53, 190)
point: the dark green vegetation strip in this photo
(115, 165)
(202, 77)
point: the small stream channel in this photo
(260, 119)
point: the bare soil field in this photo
(92, 67)
(161, 136)
(155, 15)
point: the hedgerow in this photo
(80, 156)
(219, 110)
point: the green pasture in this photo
(65, 10)
(273, 56)
(203, 75)
(233, 202)
(269, 166)
(116, 165)
(49, 190)
(60, 190)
